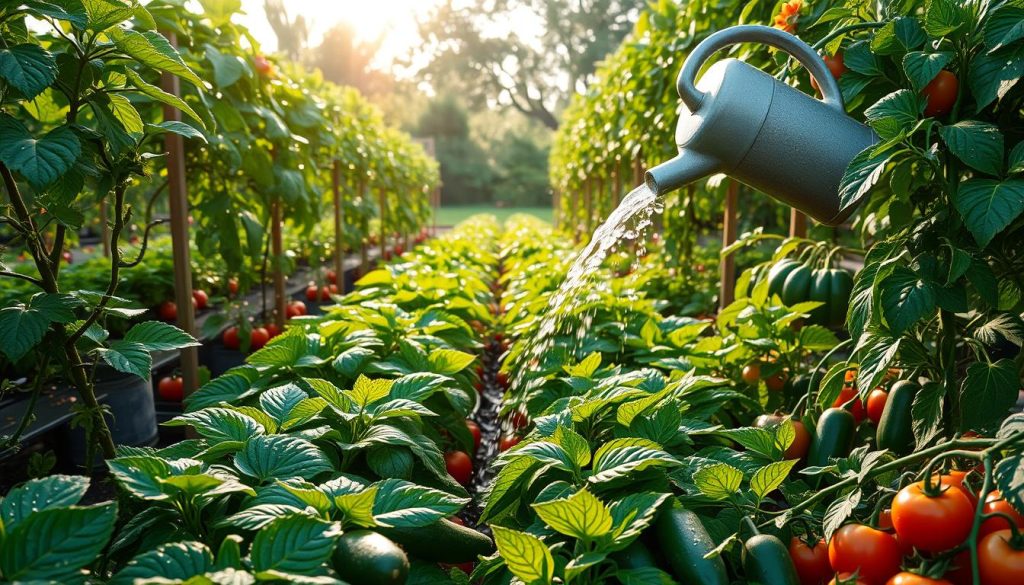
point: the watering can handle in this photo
(750, 33)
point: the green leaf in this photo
(991, 76)
(817, 338)
(859, 58)
(219, 424)
(141, 475)
(177, 561)
(281, 457)
(617, 462)
(1009, 476)
(921, 67)
(988, 206)
(366, 391)
(259, 516)
(280, 401)
(863, 173)
(297, 544)
(632, 514)
(898, 36)
(388, 462)
(877, 351)
(1016, 165)
(357, 508)
(55, 491)
(53, 544)
(179, 128)
(895, 113)
(227, 69)
(152, 49)
(403, 504)
(906, 299)
(589, 365)
(525, 555)
(838, 511)
(987, 393)
(581, 515)
(103, 14)
(1004, 26)
(505, 489)
(160, 336)
(768, 478)
(718, 481)
(449, 361)
(943, 17)
(27, 67)
(927, 412)
(978, 144)
(128, 358)
(40, 161)
(351, 361)
(125, 113)
(574, 445)
(22, 326)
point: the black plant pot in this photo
(131, 418)
(219, 359)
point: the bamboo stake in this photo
(797, 224)
(339, 230)
(277, 250)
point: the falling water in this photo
(627, 222)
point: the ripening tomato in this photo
(810, 561)
(959, 570)
(332, 277)
(171, 388)
(956, 478)
(518, 420)
(312, 292)
(994, 502)
(999, 562)
(272, 329)
(325, 294)
(859, 548)
(850, 377)
(507, 442)
(474, 429)
(856, 407)
(233, 286)
(932, 523)
(776, 382)
(908, 578)
(940, 94)
(751, 373)
(263, 66)
(847, 579)
(801, 442)
(258, 338)
(295, 309)
(835, 65)
(876, 404)
(230, 338)
(68, 257)
(459, 466)
(399, 249)
(201, 298)
(168, 311)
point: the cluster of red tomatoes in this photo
(168, 310)
(933, 519)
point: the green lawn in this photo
(449, 216)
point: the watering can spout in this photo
(683, 169)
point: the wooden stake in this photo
(339, 227)
(178, 198)
(728, 265)
(797, 224)
(382, 201)
(277, 251)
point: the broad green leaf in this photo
(54, 491)
(152, 49)
(357, 508)
(53, 544)
(103, 14)
(770, 477)
(581, 515)
(418, 386)
(906, 299)
(988, 206)
(898, 36)
(817, 338)
(141, 475)
(574, 445)
(943, 17)
(173, 561)
(219, 424)
(403, 504)
(614, 463)
(632, 514)
(859, 58)
(581, 563)
(258, 516)
(226, 388)
(220, 11)
(366, 391)
(927, 412)
(27, 67)
(268, 457)
(351, 361)
(894, 113)
(587, 367)
(988, 392)
(449, 361)
(992, 76)
(388, 462)
(227, 69)
(838, 511)
(296, 544)
(41, 161)
(863, 173)
(128, 358)
(922, 67)
(525, 555)
(504, 492)
(179, 128)
(978, 144)
(278, 402)
(309, 495)
(718, 481)
(125, 113)
(159, 336)
(1004, 26)
(1009, 476)
(22, 326)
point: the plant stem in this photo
(27, 418)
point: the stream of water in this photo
(628, 222)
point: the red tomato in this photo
(333, 288)
(998, 561)
(332, 277)
(801, 442)
(230, 338)
(399, 249)
(858, 548)
(312, 292)
(325, 294)
(479, 385)
(259, 337)
(474, 429)
(847, 579)
(940, 94)
(272, 329)
(955, 478)
(233, 286)
(835, 65)
(168, 311)
(68, 257)
(811, 562)
(171, 388)
(776, 382)
(856, 407)
(295, 309)
(201, 298)
(959, 571)
(459, 466)
(994, 502)
(264, 67)
(518, 420)
(932, 523)
(507, 442)
(908, 578)
(751, 373)
(876, 404)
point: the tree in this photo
(292, 33)
(345, 60)
(473, 45)
(466, 174)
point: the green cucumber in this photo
(683, 542)
(635, 556)
(778, 273)
(842, 286)
(833, 437)
(896, 427)
(797, 285)
(443, 541)
(368, 558)
(820, 291)
(766, 560)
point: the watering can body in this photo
(740, 121)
